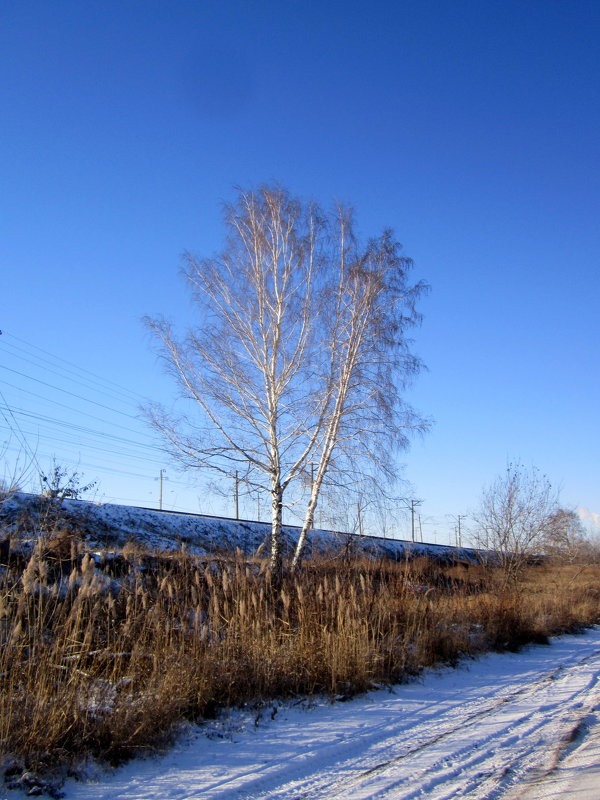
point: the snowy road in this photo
(516, 726)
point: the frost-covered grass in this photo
(105, 657)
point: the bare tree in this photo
(565, 538)
(514, 517)
(299, 356)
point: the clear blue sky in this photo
(471, 128)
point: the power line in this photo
(69, 408)
(108, 469)
(66, 373)
(76, 366)
(96, 447)
(79, 442)
(83, 429)
(65, 391)
(76, 440)
(20, 436)
(74, 458)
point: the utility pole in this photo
(459, 517)
(236, 495)
(160, 479)
(458, 529)
(411, 507)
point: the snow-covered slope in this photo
(114, 525)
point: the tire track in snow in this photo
(473, 733)
(381, 736)
(483, 770)
(431, 763)
(552, 777)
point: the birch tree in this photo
(565, 539)
(299, 357)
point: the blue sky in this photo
(471, 128)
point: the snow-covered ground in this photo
(514, 726)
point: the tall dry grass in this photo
(106, 662)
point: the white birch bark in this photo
(297, 352)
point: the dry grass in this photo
(106, 662)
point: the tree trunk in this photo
(306, 527)
(276, 532)
(310, 514)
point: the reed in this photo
(107, 661)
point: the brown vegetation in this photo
(105, 660)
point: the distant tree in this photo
(299, 356)
(566, 538)
(57, 485)
(60, 484)
(514, 517)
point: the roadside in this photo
(487, 729)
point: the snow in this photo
(114, 525)
(578, 776)
(514, 726)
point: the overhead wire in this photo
(76, 366)
(70, 375)
(66, 391)
(99, 468)
(85, 430)
(19, 433)
(77, 441)
(70, 408)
